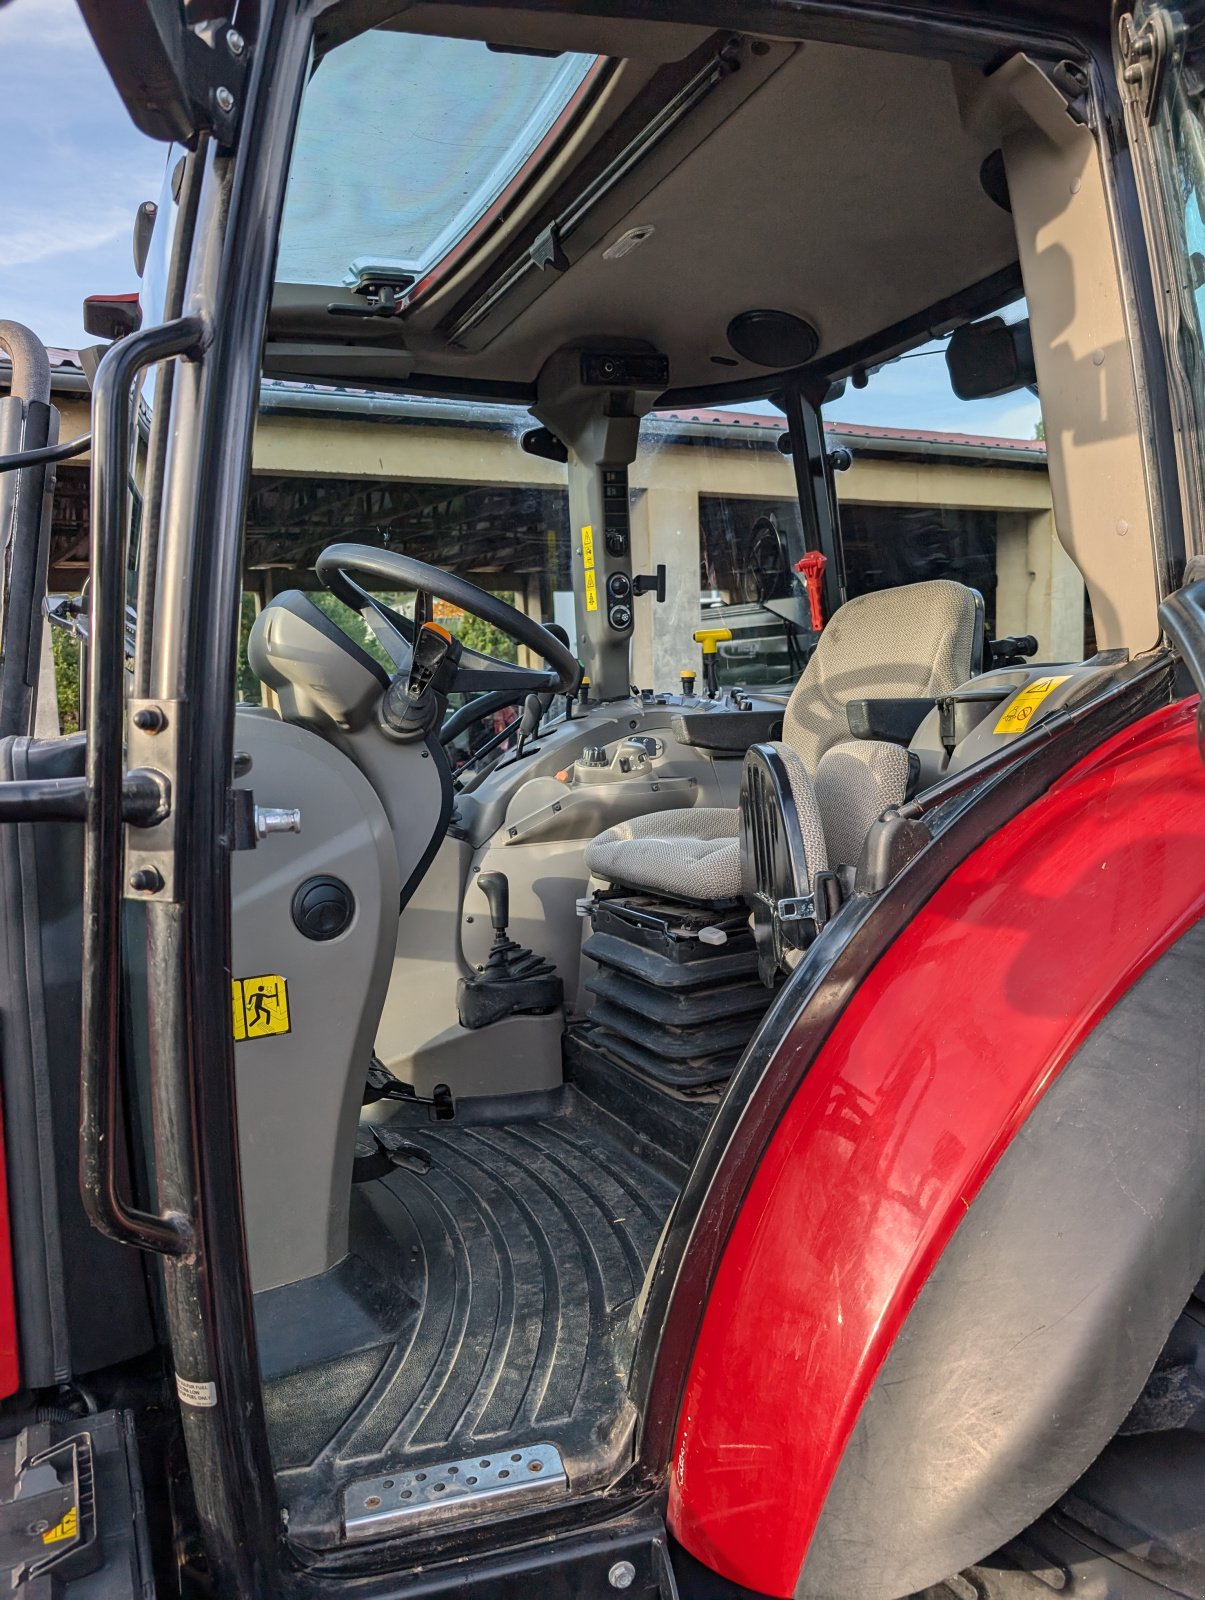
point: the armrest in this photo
(893, 721)
(728, 732)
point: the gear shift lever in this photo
(513, 979)
(496, 889)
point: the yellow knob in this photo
(709, 638)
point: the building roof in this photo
(68, 374)
(776, 422)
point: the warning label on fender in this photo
(261, 1006)
(1018, 714)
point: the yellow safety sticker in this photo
(261, 1006)
(1019, 712)
(68, 1528)
(591, 592)
(588, 548)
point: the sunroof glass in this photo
(404, 144)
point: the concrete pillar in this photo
(46, 707)
(1039, 590)
(665, 528)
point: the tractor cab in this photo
(629, 1004)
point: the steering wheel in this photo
(475, 672)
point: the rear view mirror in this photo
(990, 358)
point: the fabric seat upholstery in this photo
(668, 850)
(912, 642)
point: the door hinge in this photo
(1146, 53)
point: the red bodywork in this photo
(940, 1055)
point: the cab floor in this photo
(519, 1254)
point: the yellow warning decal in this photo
(1019, 712)
(68, 1528)
(261, 1006)
(588, 548)
(591, 592)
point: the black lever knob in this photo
(651, 583)
(496, 888)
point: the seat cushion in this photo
(691, 854)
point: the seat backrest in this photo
(914, 641)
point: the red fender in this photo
(902, 1116)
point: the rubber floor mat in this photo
(524, 1247)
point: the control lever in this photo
(711, 639)
(431, 648)
(495, 886)
(811, 566)
(414, 706)
(513, 980)
(535, 708)
(651, 582)
(1011, 651)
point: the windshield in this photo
(404, 144)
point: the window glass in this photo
(404, 143)
(713, 494)
(942, 487)
(1177, 136)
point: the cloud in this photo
(47, 24)
(41, 239)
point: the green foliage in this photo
(475, 634)
(1040, 431)
(65, 648)
(247, 690)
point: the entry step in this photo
(72, 1520)
(400, 1501)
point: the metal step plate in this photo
(375, 1507)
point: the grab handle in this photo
(100, 1052)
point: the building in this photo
(713, 498)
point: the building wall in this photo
(1039, 590)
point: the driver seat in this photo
(919, 641)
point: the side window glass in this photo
(943, 487)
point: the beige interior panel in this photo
(827, 194)
(1085, 370)
(299, 1092)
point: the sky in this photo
(73, 173)
(75, 170)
